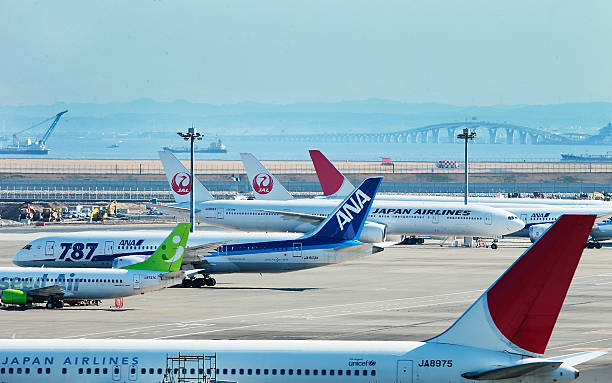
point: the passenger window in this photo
(306, 372)
(324, 372)
(290, 371)
(250, 371)
(348, 372)
(64, 371)
(242, 371)
(265, 371)
(373, 373)
(159, 371)
(27, 370)
(89, 371)
(47, 370)
(282, 371)
(143, 371)
(192, 371)
(105, 370)
(339, 372)
(19, 370)
(97, 371)
(274, 371)
(257, 371)
(315, 372)
(233, 371)
(81, 371)
(298, 371)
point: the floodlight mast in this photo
(191, 135)
(466, 135)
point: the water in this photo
(129, 147)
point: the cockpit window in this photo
(512, 217)
(27, 247)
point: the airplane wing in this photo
(512, 371)
(289, 215)
(175, 208)
(46, 292)
(195, 253)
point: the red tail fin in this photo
(329, 177)
(525, 302)
(519, 311)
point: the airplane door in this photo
(297, 250)
(435, 219)
(220, 212)
(404, 371)
(488, 218)
(133, 374)
(524, 218)
(108, 247)
(136, 281)
(116, 373)
(50, 248)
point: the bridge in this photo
(486, 132)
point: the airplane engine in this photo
(373, 232)
(536, 231)
(15, 297)
(128, 260)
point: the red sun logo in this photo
(181, 183)
(262, 183)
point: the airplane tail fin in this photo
(169, 255)
(180, 180)
(518, 312)
(264, 185)
(347, 220)
(333, 183)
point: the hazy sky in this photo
(459, 52)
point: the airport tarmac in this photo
(404, 293)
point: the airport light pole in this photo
(191, 135)
(466, 135)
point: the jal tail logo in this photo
(181, 183)
(262, 183)
(353, 205)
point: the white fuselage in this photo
(496, 200)
(399, 217)
(85, 283)
(250, 361)
(244, 252)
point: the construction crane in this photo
(29, 147)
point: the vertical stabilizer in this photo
(180, 181)
(169, 255)
(263, 184)
(518, 312)
(347, 220)
(333, 183)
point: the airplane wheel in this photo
(211, 282)
(58, 305)
(494, 246)
(187, 283)
(199, 282)
(597, 245)
(590, 245)
(49, 305)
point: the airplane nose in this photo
(19, 258)
(516, 225)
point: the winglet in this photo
(332, 182)
(169, 255)
(348, 218)
(264, 185)
(180, 181)
(518, 312)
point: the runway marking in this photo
(138, 329)
(269, 323)
(580, 344)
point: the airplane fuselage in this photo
(251, 361)
(399, 217)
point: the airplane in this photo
(501, 337)
(334, 240)
(537, 214)
(23, 286)
(302, 215)
(335, 184)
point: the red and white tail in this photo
(518, 312)
(333, 183)
(263, 184)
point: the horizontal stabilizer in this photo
(512, 371)
(577, 358)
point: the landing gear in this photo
(54, 304)
(494, 246)
(593, 245)
(412, 240)
(198, 282)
